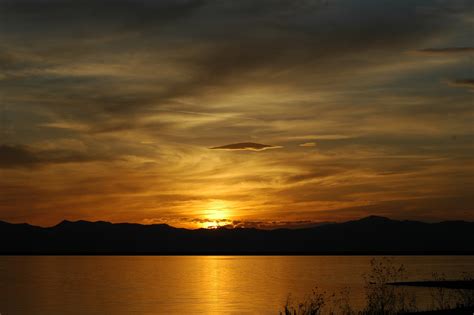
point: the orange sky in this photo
(206, 113)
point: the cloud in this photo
(271, 225)
(246, 146)
(19, 156)
(66, 125)
(464, 83)
(16, 156)
(150, 85)
(319, 137)
(446, 50)
(285, 39)
(233, 224)
(308, 144)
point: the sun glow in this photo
(216, 214)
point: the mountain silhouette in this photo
(370, 235)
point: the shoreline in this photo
(446, 284)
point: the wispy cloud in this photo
(464, 83)
(18, 156)
(446, 50)
(318, 137)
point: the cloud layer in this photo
(109, 108)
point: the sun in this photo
(216, 214)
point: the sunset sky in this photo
(263, 113)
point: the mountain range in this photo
(370, 235)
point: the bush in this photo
(384, 299)
(465, 297)
(312, 305)
(381, 297)
(441, 297)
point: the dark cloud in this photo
(263, 40)
(246, 146)
(18, 156)
(85, 17)
(229, 43)
(271, 225)
(447, 50)
(465, 83)
(260, 224)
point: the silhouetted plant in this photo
(384, 299)
(319, 303)
(312, 305)
(342, 303)
(381, 298)
(441, 297)
(465, 297)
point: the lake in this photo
(190, 284)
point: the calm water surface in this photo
(189, 285)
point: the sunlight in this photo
(216, 214)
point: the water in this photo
(191, 284)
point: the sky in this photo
(243, 113)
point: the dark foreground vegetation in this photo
(370, 235)
(386, 294)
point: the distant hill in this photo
(371, 235)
